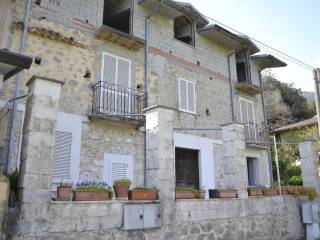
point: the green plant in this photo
(196, 192)
(143, 188)
(298, 191)
(296, 181)
(123, 181)
(96, 189)
(13, 179)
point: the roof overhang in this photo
(174, 9)
(267, 61)
(227, 38)
(11, 63)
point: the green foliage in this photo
(144, 188)
(296, 181)
(96, 189)
(123, 181)
(291, 98)
(13, 179)
(298, 191)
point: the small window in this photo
(117, 14)
(187, 96)
(243, 66)
(253, 171)
(184, 30)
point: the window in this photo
(117, 166)
(187, 96)
(243, 66)
(253, 171)
(187, 168)
(184, 30)
(247, 111)
(116, 96)
(117, 14)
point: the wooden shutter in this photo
(191, 97)
(123, 73)
(243, 111)
(109, 68)
(183, 94)
(117, 166)
(62, 156)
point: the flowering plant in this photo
(94, 186)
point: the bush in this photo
(123, 181)
(13, 179)
(298, 191)
(296, 181)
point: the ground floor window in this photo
(187, 168)
(253, 171)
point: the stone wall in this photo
(4, 202)
(254, 218)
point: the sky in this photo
(292, 26)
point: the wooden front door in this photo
(187, 168)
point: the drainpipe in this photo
(18, 81)
(233, 119)
(265, 123)
(146, 71)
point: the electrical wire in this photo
(268, 47)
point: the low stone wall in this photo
(253, 218)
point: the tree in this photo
(285, 103)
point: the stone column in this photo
(160, 158)
(37, 152)
(310, 164)
(234, 158)
(4, 201)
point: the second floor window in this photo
(184, 30)
(187, 96)
(247, 111)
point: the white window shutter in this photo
(109, 68)
(250, 112)
(123, 73)
(243, 111)
(61, 156)
(191, 97)
(117, 166)
(183, 95)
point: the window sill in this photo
(185, 111)
(183, 43)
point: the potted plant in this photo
(64, 191)
(92, 191)
(227, 193)
(121, 188)
(270, 192)
(143, 193)
(255, 190)
(189, 193)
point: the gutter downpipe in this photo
(18, 81)
(230, 87)
(265, 121)
(146, 71)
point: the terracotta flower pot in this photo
(227, 194)
(255, 192)
(284, 192)
(185, 195)
(270, 192)
(85, 195)
(143, 195)
(63, 193)
(202, 194)
(121, 192)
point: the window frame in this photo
(193, 33)
(187, 100)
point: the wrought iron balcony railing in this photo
(116, 101)
(256, 135)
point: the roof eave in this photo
(265, 61)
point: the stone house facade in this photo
(182, 107)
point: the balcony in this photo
(118, 102)
(248, 88)
(256, 136)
